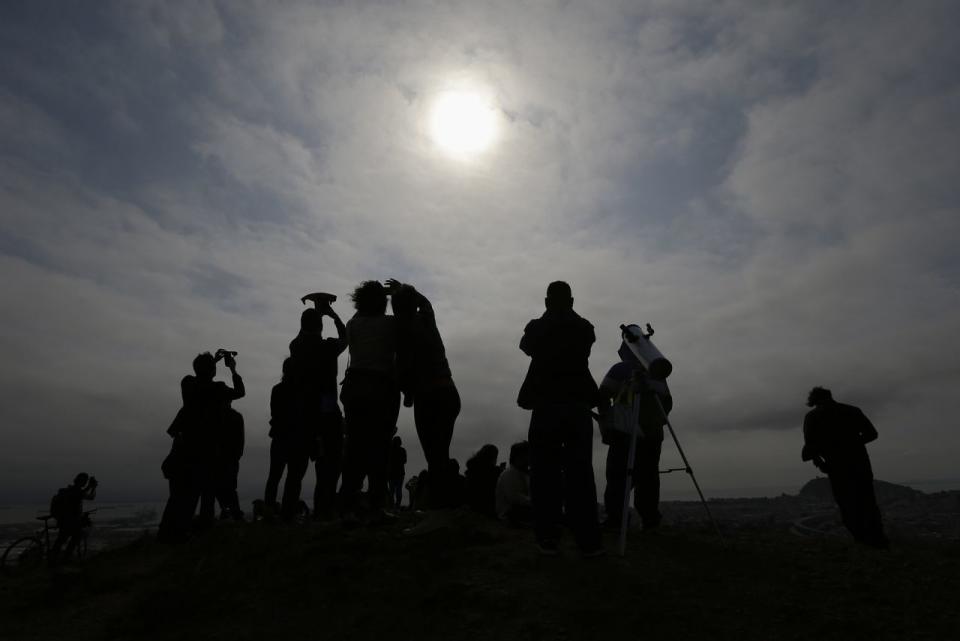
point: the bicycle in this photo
(28, 553)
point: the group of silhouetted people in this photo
(390, 357)
(549, 479)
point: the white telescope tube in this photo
(641, 348)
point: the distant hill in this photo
(819, 489)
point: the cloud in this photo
(772, 187)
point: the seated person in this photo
(481, 480)
(513, 487)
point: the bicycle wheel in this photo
(22, 556)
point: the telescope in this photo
(638, 348)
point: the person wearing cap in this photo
(561, 392)
(834, 439)
(512, 496)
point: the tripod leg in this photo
(689, 470)
(628, 483)
(625, 518)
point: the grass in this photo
(472, 579)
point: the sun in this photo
(463, 123)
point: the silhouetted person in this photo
(221, 464)
(396, 471)
(617, 387)
(67, 508)
(319, 431)
(371, 399)
(834, 436)
(189, 468)
(561, 392)
(283, 423)
(481, 480)
(427, 383)
(513, 487)
(230, 443)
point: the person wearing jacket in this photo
(834, 439)
(560, 391)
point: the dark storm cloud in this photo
(773, 187)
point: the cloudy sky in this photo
(774, 186)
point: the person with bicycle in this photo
(67, 508)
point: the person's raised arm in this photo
(238, 391)
(341, 329)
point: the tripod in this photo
(639, 389)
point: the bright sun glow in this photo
(463, 123)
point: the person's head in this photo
(404, 301)
(287, 368)
(311, 321)
(81, 479)
(486, 456)
(205, 366)
(489, 453)
(520, 455)
(819, 396)
(370, 298)
(559, 296)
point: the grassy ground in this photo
(470, 579)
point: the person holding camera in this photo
(561, 392)
(191, 466)
(223, 436)
(67, 508)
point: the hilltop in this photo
(462, 577)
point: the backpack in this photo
(58, 503)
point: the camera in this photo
(223, 353)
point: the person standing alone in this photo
(561, 392)
(834, 438)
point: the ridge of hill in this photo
(819, 489)
(455, 575)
